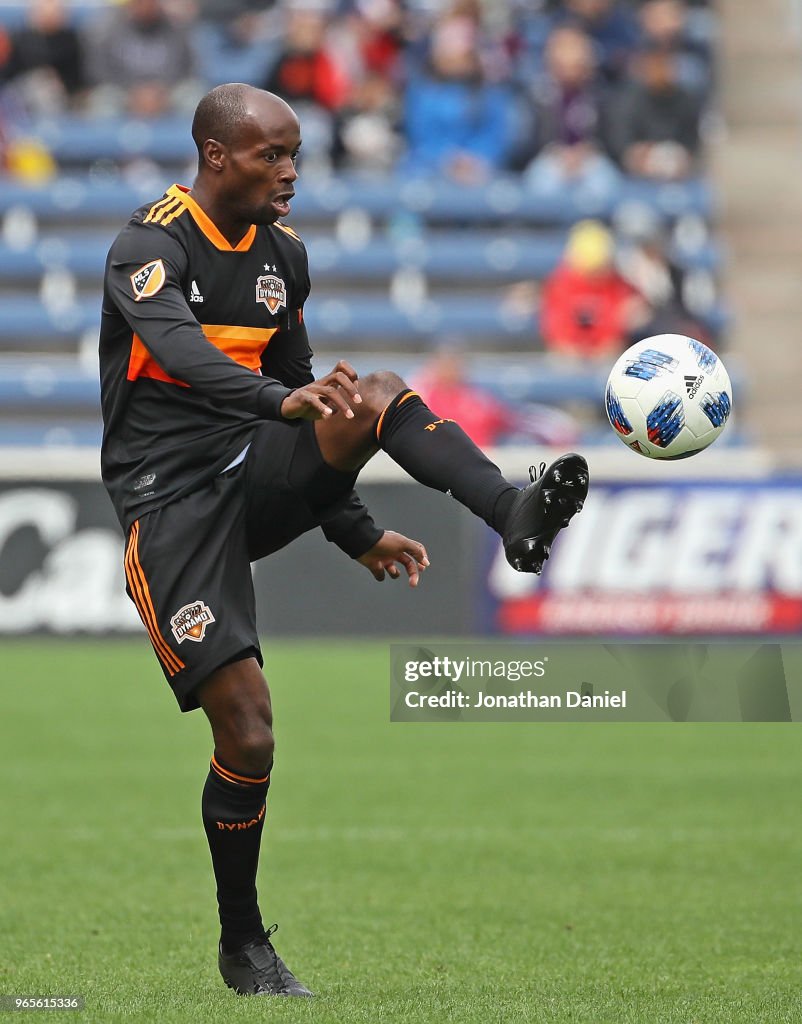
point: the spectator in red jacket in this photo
(486, 419)
(444, 387)
(306, 70)
(310, 76)
(587, 308)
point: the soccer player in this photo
(219, 447)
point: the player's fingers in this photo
(378, 573)
(342, 380)
(305, 403)
(343, 366)
(418, 552)
(412, 567)
(333, 397)
(393, 570)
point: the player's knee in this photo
(246, 733)
(381, 387)
(237, 703)
(255, 748)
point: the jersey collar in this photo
(207, 225)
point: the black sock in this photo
(233, 809)
(439, 454)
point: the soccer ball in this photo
(668, 397)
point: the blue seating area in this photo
(53, 401)
(503, 202)
(448, 256)
(352, 320)
(400, 263)
(463, 247)
(66, 385)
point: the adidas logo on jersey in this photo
(194, 293)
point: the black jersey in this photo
(198, 341)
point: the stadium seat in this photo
(449, 255)
(82, 196)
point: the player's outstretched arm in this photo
(392, 550)
(338, 391)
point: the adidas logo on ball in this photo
(668, 397)
(692, 384)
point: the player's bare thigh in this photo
(347, 444)
(236, 700)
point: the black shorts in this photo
(187, 564)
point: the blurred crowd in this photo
(564, 94)
(576, 91)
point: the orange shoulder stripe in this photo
(288, 231)
(158, 206)
(173, 215)
(167, 208)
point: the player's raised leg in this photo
(439, 454)
(236, 700)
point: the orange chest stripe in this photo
(142, 364)
(244, 345)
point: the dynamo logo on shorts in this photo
(615, 412)
(666, 420)
(704, 357)
(716, 407)
(191, 620)
(649, 364)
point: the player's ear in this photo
(214, 154)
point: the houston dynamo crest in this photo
(190, 622)
(272, 291)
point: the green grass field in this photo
(438, 872)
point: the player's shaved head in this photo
(248, 142)
(224, 110)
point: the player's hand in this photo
(393, 550)
(338, 391)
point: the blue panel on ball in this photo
(666, 420)
(704, 357)
(615, 413)
(716, 407)
(649, 364)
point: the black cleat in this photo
(256, 969)
(542, 509)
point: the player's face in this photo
(260, 169)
